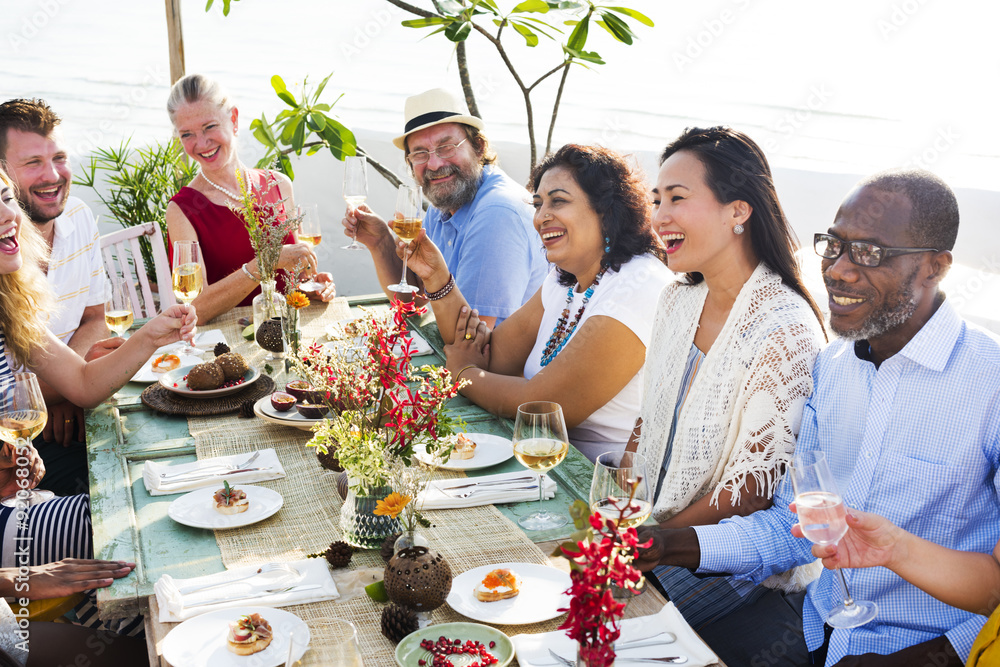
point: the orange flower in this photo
(392, 505)
(297, 299)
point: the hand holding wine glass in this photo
(310, 232)
(540, 444)
(118, 314)
(406, 225)
(355, 189)
(823, 521)
(22, 417)
(188, 277)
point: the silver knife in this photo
(193, 477)
(251, 596)
(509, 480)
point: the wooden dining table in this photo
(130, 524)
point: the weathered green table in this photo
(131, 525)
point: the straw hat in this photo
(433, 107)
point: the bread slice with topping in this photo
(499, 584)
(248, 635)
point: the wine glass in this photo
(118, 308)
(823, 520)
(311, 233)
(22, 417)
(341, 638)
(407, 225)
(540, 444)
(610, 489)
(355, 189)
(188, 277)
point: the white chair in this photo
(116, 248)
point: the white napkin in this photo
(533, 650)
(203, 340)
(158, 487)
(433, 498)
(315, 571)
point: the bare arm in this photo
(703, 512)
(373, 232)
(62, 578)
(88, 383)
(967, 580)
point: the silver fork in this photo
(220, 466)
(263, 569)
(466, 494)
(255, 594)
(675, 660)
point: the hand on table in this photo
(871, 540)
(329, 291)
(103, 347)
(648, 558)
(59, 426)
(472, 342)
(368, 226)
(8, 469)
(72, 575)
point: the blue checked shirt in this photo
(916, 440)
(491, 246)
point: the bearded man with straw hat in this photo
(480, 219)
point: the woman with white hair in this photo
(207, 124)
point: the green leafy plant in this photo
(458, 19)
(139, 184)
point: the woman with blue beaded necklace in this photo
(581, 339)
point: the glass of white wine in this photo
(540, 444)
(409, 219)
(118, 308)
(310, 232)
(611, 493)
(823, 519)
(188, 277)
(355, 189)
(22, 417)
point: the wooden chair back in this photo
(122, 257)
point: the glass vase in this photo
(291, 335)
(268, 308)
(595, 656)
(411, 537)
(360, 525)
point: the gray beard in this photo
(459, 193)
(885, 320)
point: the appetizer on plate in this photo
(248, 635)
(499, 584)
(230, 500)
(464, 448)
(166, 362)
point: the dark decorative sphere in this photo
(418, 578)
(269, 335)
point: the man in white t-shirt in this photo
(33, 152)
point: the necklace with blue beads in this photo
(562, 332)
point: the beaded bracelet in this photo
(249, 275)
(444, 291)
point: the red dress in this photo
(225, 244)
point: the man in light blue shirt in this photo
(481, 219)
(905, 407)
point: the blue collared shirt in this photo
(916, 440)
(491, 246)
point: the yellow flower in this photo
(392, 505)
(297, 299)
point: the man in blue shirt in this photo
(905, 407)
(481, 219)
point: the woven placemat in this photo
(160, 398)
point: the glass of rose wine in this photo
(118, 308)
(409, 219)
(310, 232)
(355, 189)
(22, 417)
(540, 444)
(188, 277)
(823, 519)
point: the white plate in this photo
(146, 374)
(490, 450)
(176, 376)
(197, 508)
(201, 641)
(542, 594)
(266, 411)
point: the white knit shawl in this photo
(743, 411)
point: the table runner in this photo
(309, 519)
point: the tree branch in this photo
(555, 107)
(463, 75)
(412, 8)
(552, 71)
(385, 172)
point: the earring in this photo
(607, 245)
(737, 229)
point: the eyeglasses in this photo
(444, 151)
(861, 253)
